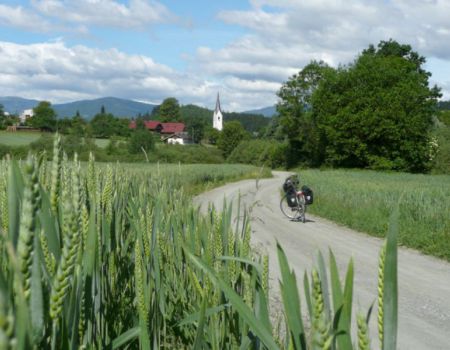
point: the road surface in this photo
(424, 282)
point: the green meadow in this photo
(364, 200)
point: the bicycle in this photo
(293, 203)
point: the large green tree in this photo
(231, 135)
(294, 108)
(44, 117)
(378, 111)
(169, 110)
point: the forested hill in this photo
(250, 122)
(444, 105)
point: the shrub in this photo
(260, 152)
(141, 139)
(442, 160)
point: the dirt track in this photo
(424, 282)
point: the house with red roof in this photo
(168, 131)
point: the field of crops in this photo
(22, 138)
(116, 257)
(363, 200)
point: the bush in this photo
(260, 152)
(141, 139)
(442, 160)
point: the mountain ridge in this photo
(87, 108)
(119, 107)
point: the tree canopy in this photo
(232, 134)
(169, 110)
(44, 117)
(294, 108)
(374, 113)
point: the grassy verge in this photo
(363, 200)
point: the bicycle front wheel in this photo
(292, 212)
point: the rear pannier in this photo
(308, 193)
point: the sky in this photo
(144, 50)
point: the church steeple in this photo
(217, 117)
(217, 104)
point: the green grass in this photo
(102, 143)
(24, 138)
(20, 138)
(363, 200)
(195, 178)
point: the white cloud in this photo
(281, 37)
(138, 14)
(19, 17)
(58, 73)
(284, 35)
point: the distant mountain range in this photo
(89, 108)
(266, 111)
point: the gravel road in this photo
(424, 282)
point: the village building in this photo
(27, 113)
(172, 133)
(217, 116)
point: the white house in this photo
(27, 113)
(217, 117)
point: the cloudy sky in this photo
(65, 50)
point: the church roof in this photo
(218, 109)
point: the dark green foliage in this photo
(193, 111)
(444, 105)
(169, 110)
(104, 125)
(141, 140)
(250, 122)
(444, 117)
(44, 117)
(377, 113)
(269, 153)
(232, 134)
(295, 120)
(212, 135)
(253, 123)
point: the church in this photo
(217, 116)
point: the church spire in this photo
(218, 109)
(217, 117)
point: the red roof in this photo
(165, 128)
(172, 128)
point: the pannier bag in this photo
(308, 193)
(288, 187)
(290, 184)
(292, 199)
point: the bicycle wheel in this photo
(293, 213)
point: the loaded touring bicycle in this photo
(294, 202)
